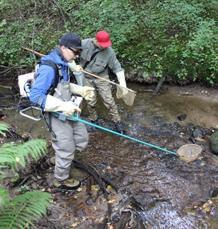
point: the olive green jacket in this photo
(102, 61)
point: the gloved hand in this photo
(88, 93)
(74, 67)
(53, 104)
(122, 81)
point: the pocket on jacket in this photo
(99, 66)
(85, 55)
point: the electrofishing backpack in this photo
(25, 83)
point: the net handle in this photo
(89, 73)
(98, 77)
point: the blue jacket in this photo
(46, 77)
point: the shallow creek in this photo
(155, 189)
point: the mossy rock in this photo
(214, 142)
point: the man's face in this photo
(69, 53)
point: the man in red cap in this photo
(98, 57)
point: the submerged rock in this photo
(182, 117)
(214, 142)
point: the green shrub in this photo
(175, 38)
(169, 29)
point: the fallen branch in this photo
(159, 85)
(7, 87)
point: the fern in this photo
(14, 155)
(4, 127)
(4, 197)
(23, 210)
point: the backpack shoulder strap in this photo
(92, 57)
(56, 70)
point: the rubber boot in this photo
(68, 184)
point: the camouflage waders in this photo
(104, 90)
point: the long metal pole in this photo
(77, 118)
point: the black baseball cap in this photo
(71, 40)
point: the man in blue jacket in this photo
(52, 91)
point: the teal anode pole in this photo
(77, 118)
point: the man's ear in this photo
(62, 47)
(95, 42)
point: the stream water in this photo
(155, 190)
(199, 106)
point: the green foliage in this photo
(109, 15)
(25, 23)
(15, 155)
(171, 27)
(174, 38)
(4, 197)
(201, 54)
(23, 210)
(4, 127)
